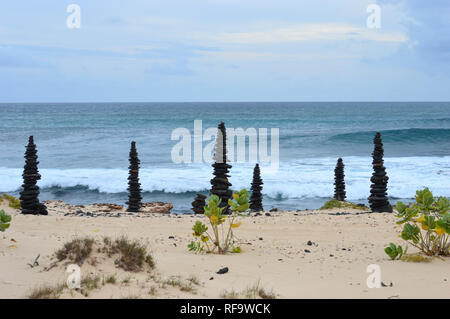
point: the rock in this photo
(212, 278)
(273, 209)
(156, 207)
(222, 271)
(256, 197)
(339, 184)
(309, 243)
(260, 238)
(134, 187)
(268, 214)
(198, 204)
(307, 251)
(29, 200)
(171, 237)
(220, 184)
(378, 199)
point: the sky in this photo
(224, 50)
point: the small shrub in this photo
(133, 255)
(90, 283)
(111, 279)
(222, 239)
(76, 251)
(13, 201)
(341, 204)
(426, 224)
(5, 221)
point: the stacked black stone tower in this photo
(339, 184)
(198, 204)
(134, 187)
(378, 190)
(256, 197)
(220, 183)
(29, 200)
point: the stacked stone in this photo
(134, 187)
(339, 184)
(256, 197)
(29, 200)
(378, 190)
(220, 183)
(198, 204)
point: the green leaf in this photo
(410, 232)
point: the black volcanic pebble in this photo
(222, 271)
(307, 251)
(309, 243)
(273, 209)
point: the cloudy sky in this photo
(224, 50)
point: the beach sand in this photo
(273, 255)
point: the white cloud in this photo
(305, 32)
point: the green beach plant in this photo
(13, 202)
(5, 221)
(340, 204)
(395, 252)
(222, 239)
(426, 223)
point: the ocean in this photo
(83, 149)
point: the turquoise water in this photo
(83, 149)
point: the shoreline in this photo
(297, 254)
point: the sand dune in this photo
(275, 253)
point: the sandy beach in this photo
(302, 254)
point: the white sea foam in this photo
(304, 178)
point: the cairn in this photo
(256, 197)
(198, 204)
(29, 200)
(134, 187)
(220, 183)
(339, 184)
(378, 190)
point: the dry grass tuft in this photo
(76, 251)
(133, 255)
(46, 292)
(251, 292)
(339, 204)
(416, 258)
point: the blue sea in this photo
(83, 149)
